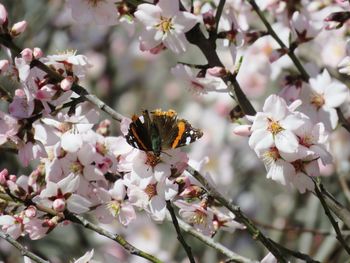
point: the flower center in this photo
(307, 141)
(317, 100)
(271, 155)
(151, 190)
(274, 127)
(152, 160)
(198, 218)
(114, 207)
(165, 25)
(298, 165)
(76, 167)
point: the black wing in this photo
(139, 132)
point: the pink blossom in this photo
(321, 99)
(18, 28)
(165, 23)
(3, 15)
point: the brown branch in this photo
(178, 231)
(25, 252)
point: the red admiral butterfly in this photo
(160, 130)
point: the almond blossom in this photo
(321, 99)
(60, 196)
(274, 126)
(164, 24)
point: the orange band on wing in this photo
(138, 138)
(181, 126)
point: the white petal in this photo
(78, 204)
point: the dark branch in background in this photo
(296, 229)
(330, 217)
(178, 231)
(22, 249)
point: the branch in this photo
(7, 41)
(330, 217)
(115, 237)
(22, 249)
(210, 242)
(240, 217)
(293, 57)
(218, 16)
(178, 231)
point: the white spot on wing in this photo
(188, 140)
(191, 132)
(142, 119)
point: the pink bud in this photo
(20, 93)
(67, 83)
(59, 205)
(4, 65)
(38, 53)
(3, 15)
(18, 28)
(27, 55)
(3, 176)
(13, 178)
(243, 130)
(217, 71)
(30, 211)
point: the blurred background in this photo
(130, 81)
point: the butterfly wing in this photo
(139, 132)
(173, 132)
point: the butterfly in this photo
(159, 130)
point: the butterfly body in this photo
(160, 130)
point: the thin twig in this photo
(296, 229)
(115, 237)
(214, 244)
(318, 189)
(178, 231)
(25, 252)
(295, 254)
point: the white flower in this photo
(274, 127)
(321, 99)
(302, 28)
(94, 11)
(165, 24)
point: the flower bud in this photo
(37, 53)
(209, 20)
(243, 130)
(217, 71)
(337, 19)
(3, 177)
(27, 55)
(4, 65)
(18, 28)
(13, 178)
(59, 205)
(3, 15)
(67, 83)
(31, 211)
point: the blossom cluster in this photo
(81, 168)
